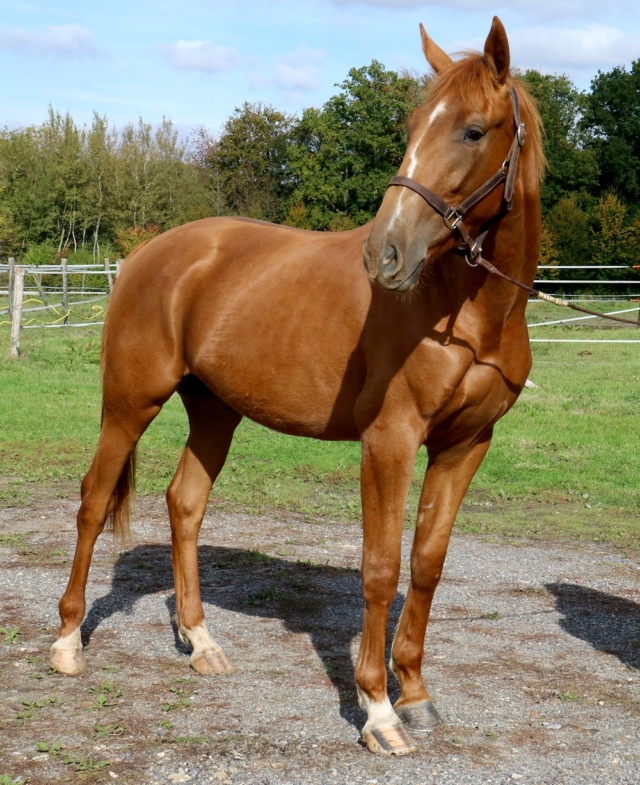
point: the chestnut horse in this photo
(281, 325)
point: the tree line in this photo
(86, 192)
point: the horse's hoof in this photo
(211, 662)
(420, 717)
(390, 739)
(70, 662)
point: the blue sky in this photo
(194, 61)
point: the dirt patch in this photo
(533, 659)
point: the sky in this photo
(195, 61)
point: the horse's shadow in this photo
(608, 623)
(320, 601)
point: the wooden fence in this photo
(16, 292)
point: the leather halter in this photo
(453, 216)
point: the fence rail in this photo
(18, 294)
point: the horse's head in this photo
(458, 140)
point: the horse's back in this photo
(269, 317)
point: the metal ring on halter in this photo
(449, 215)
(474, 252)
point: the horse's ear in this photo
(436, 57)
(496, 51)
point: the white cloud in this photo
(591, 47)
(202, 56)
(69, 40)
(540, 10)
(299, 70)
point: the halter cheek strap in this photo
(453, 216)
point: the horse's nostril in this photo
(390, 262)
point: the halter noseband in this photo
(453, 215)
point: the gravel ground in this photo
(533, 660)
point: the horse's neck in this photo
(471, 295)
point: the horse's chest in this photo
(451, 383)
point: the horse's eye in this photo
(473, 135)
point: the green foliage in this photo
(600, 235)
(571, 167)
(568, 225)
(41, 253)
(181, 700)
(9, 635)
(66, 187)
(110, 729)
(343, 155)
(246, 166)
(75, 761)
(612, 120)
(612, 233)
(106, 695)
(31, 709)
(548, 254)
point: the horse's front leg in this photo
(447, 479)
(388, 457)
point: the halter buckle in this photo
(521, 134)
(452, 218)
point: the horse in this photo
(417, 346)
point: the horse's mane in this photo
(470, 77)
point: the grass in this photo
(9, 635)
(565, 462)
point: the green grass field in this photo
(565, 462)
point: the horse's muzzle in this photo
(387, 268)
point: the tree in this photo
(127, 239)
(569, 228)
(75, 188)
(571, 167)
(612, 235)
(99, 193)
(246, 166)
(612, 120)
(26, 188)
(548, 254)
(344, 154)
(155, 181)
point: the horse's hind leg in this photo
(105, 490)
(211, 428)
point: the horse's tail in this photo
(119, 509)
(120, 505)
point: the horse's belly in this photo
(285, 395)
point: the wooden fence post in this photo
(65, 290)
(16, 310)
(107, 267)
(12, 271)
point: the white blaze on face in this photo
(413, 160)
(439, 109)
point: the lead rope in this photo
(548, 298)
